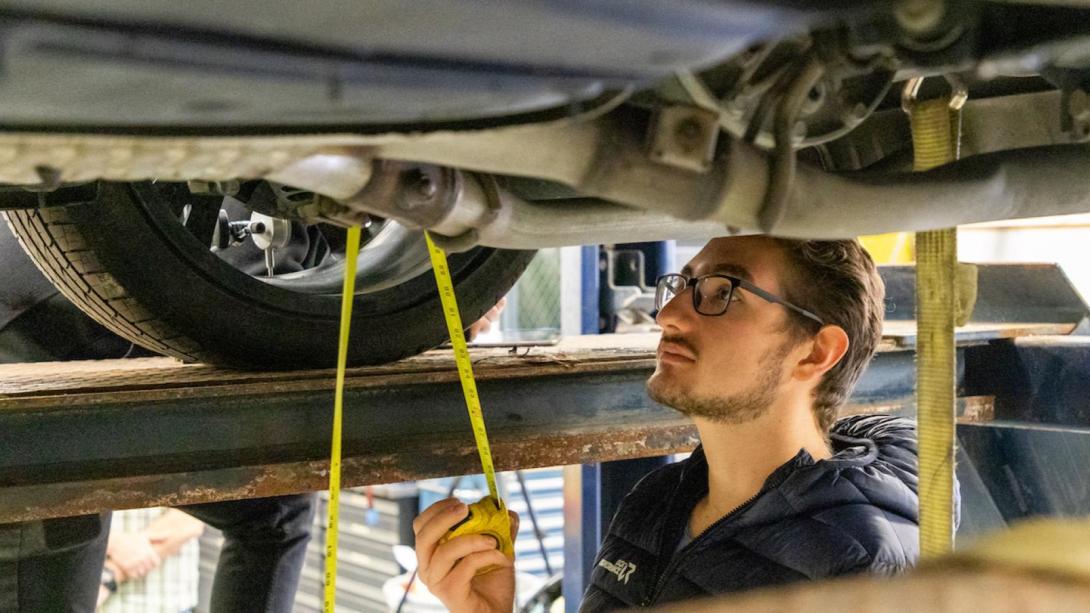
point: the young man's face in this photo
(728, 368)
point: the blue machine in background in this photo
(592, 492)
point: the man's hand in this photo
(132, 554)
(449, 570)
(484, 324)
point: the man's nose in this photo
(677, 312)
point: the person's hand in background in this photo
(484, 324)
(131, 555)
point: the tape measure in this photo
(348, 294)
(487, 516)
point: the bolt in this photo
(257, 227)
(688, 134)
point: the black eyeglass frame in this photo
(736, 282)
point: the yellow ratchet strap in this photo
(352, 251)
(487, 516)
(935, 137)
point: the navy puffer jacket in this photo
(854, 512)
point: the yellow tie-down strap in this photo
(935, 132)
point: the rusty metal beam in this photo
(84, 437)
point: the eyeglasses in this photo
(712, 293)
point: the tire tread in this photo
(60, 251)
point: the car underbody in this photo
(520, 125)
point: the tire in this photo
(127, 261)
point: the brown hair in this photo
(836, 280)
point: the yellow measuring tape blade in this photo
(465, 365)
(352, 251)
(934, 137)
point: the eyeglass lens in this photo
(669, 287)
(711, 294)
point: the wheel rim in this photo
(390, 255)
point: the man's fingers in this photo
(432, 511)
(429, 532)
(467, 568)
(448, 554)
(514, 519)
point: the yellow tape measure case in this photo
(487, 516)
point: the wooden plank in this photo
(592, 353)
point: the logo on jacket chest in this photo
(621, 568)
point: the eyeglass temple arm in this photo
(774, 298)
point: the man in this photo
(763, 340)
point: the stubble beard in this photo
(738, 408)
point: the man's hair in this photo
(836, 280)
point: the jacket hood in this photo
(874, 462)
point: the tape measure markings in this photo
(463, 361)
(352, 250)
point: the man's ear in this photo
(827, 347)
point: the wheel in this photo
(138, 260)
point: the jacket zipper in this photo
(675, 559)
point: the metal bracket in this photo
(684, 137)
(625, 297)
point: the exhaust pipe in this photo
(1020, 183)
(463, 210)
